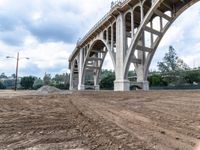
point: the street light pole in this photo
(17, 65)
(16, 74)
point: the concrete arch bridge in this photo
(130, 33)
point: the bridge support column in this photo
(81, 86)
(141, 70)
(71, 79)
(120, 84)
(142, 78)
(96, 87)
(123, 85)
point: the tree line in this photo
(172, 72)
(60, 81)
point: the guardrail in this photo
(113, 6)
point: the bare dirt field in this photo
(155, 120)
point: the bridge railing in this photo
(113, 6)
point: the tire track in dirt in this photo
(141, 127)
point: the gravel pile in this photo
(49, 89)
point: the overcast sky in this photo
(47, 31)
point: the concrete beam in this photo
(161, 14)
(151, 30)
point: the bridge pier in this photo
(81, 87)
(120, 84)
(123, 85)
(96, 87)
(143, 85)
(142, 78)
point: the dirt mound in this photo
(48, 89)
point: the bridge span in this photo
(130, 33)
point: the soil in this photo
(154, 120)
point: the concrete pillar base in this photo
(122, 85)
(96, 87)
(81, 87)
(144, 85)
(71, 88)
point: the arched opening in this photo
(180, 37)
(129, 28)
(143, 53)
(137, 18)
(113, 47)
(132, 77)
(93, 65)
(75, 75)
(109, 35)
(146, 6)
(105, 35)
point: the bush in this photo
(157, 80)
(62, 86)
(2, 86)
(38, 83)
(192, 76)
(27, 82)
(107, 82)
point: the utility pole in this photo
(17, 65)
(16, 74)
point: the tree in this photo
(107, 80)
(156, 80)
(37, 84)
(192, 76)
(3, 75)
(61, 78)
(13, 75)
(61, 81)
(2, 86)
(47, 79)
(27, 82)
(172, 66)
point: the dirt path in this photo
(156, 120)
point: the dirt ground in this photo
(154, 120)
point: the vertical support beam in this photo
(120, 84)
(132, 25)
(112, 39)
(152, 40)
(140, 70)
(96, 84)
(81, 86)
(71, 76)
(107, 40)
(161, 24)
(142, 12)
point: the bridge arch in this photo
(95, 58)
(123, 33)
(178, 13)
(74, 75)
(142, 68)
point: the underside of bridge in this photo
(130, 33)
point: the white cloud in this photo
(47, 31)
(184, 36)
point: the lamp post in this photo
(17, 66)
